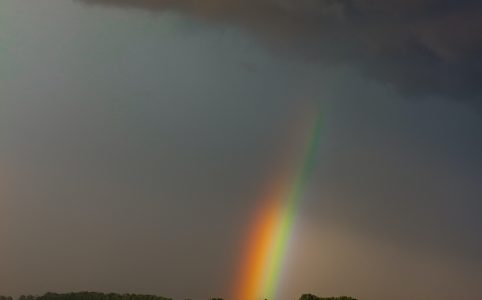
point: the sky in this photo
(137, 138)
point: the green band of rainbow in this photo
(270, 235)
(290, 211)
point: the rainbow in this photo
(272, 228)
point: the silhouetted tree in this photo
(313, 297)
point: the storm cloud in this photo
(422, 47)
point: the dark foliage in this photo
(313, 297)
(88, 296)
(113, 296)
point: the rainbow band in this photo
(289, 213)
(271, 232)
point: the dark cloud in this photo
(428, 47)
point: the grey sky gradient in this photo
(135, 143)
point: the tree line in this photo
(313, 297)
(87, 296)
(114, 296)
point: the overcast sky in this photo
(136, 138)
